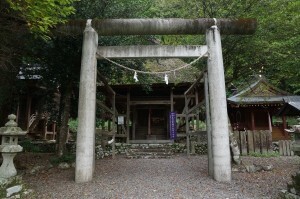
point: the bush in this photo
(28, 146)
(265, 155)
(73, 125)
(295, 184)
(37, 147)
(68, 158)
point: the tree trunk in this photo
(63, 131)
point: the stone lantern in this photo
(9, 146)
(295, 132)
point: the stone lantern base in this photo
(7, 168)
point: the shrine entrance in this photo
(151, 123)
(219, 159)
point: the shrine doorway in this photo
(151, 123)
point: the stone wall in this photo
(200, 149)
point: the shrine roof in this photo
(291, 107)
(261, 92)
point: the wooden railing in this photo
(31, 120)
(34, 121)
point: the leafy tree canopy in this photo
(273, 51)
(41, 16)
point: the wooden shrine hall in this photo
(255, 107)
(142, 112)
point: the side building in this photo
(257, 108)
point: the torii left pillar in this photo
(85, 147)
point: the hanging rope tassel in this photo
(135, 77)
(166, 79)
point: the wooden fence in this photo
(259, 141)
(285, 148)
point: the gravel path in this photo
(179, 177)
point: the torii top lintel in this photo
(171, 26)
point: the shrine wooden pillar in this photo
(172, 100)
(149, 122)
(115, 125)
(270, 122)
(197, 114)
(284, 123)
(187, 126)
(127, 116)
(134, 115)
(208, 127)
(28, 110)
(252, 120)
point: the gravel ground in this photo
(178, 177)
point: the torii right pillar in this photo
(221, 160)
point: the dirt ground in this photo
(178, 177)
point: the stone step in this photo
(149, 151)
(149, 156)
(144, 146)
(150, 142)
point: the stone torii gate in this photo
(220, 163)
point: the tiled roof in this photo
(258, 100)
(291, 107)
(260, 92)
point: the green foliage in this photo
(35, 147)
(13, 181)
(28, 146)
(41, 16)
(112, 9)
(202, 125)
(118, 9)
(73, 125)
(100, 123)
(291, 120)
(265, 155)
(295, 183)
(272, 51)
(68, 158)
